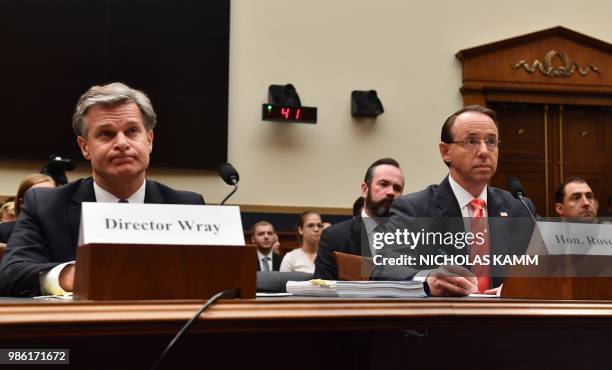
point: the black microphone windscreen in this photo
(515, 187)
(228, 173)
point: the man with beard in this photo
(575, 200)
(383, 183)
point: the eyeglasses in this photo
(471, 143)
(312, 225)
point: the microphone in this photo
(229, 174)
(57, 167)
(516, 188)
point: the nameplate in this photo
(122, 223)
(570, 238)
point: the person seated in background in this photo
(382, 183)
(263, 236)
(35, 180)
(575, 200)
(8, 212)
(302, 259)
(114, 126)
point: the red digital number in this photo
(285, 112)
(297, 113)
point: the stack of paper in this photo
(356, 289)
(314, 288)
(395, 289)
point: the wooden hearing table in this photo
(314, 333)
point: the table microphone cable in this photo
(231, 293)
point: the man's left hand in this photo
(66, 278)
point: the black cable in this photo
(229, 195)
(232, 293)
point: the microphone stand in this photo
(520, 197)
(230, 194)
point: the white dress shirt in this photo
(297, 261)
(103, 196)
(464, 198)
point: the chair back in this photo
(352, 267)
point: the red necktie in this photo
(479, 225)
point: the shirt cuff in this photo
(421, 276)
(49, 281)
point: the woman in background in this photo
(8, 211)
(309, 227)
(35, 180)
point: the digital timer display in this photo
(282, 113)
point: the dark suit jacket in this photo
(6, 228)
(47, 229)
(347, 237)
(439, 201)
(276, 262)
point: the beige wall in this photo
(403, 49)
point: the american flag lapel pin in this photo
(503, 214)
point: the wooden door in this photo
(586, 148)
(543, 144)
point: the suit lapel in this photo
(445, 201)
(495, 205)
(500, 235)
(447, 215)
(152, 194)
(359, 238)
(276, 261)
(84, 193)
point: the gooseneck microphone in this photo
(516, 188)
(229, 174)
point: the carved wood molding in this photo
(547, 68)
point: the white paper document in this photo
(356, 289)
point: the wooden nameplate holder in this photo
(573, 263)
(525, 282)
(136, 271)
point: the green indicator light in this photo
(269, 107)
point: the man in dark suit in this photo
(383, 182)
(263, 236)
(114, 128)
(469, 147)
